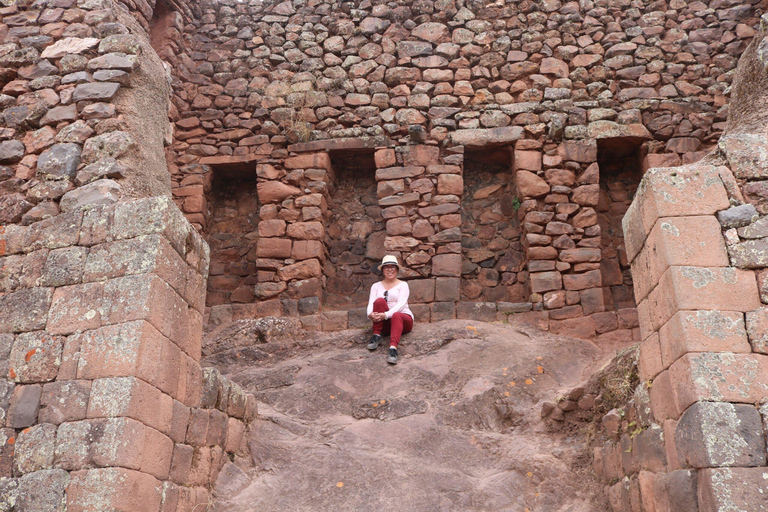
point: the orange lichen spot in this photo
(382, 402)
(12, 373)
(25, 431)
(528, 381)
(506, 393)
(340, 485)
(11, 440)
(30, 354)
(504, 374)
(529, 474)
(512, 383)
(375, 404)
(453, 404)
(540, 369)
(505, 369)
(539, 358)
(333, 397)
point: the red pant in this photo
(400, 323)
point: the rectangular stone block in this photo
(649, 360)
(442, 311)
(702, 331)
(112, 489)
(181, 464)
(274, 248)
(689, 241)
(722, 489)
(156, 460)
(446, 265)
(64, 401)
(720, 434)
(132, 398)
(76, 308)
(235, 435)
(333, 320)
(482, 311)
(25, 310)
(589, 279)
(421, 290)
(358, 319)
(24, 406)
(35, 357)
(53, 233)
(723, 377)
(663, 398)
(447, 289)
(671, 192)
(696, 288)
(583, 327)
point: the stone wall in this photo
(548, 82)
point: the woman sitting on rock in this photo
(388, 308)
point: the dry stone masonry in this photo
(493, 146)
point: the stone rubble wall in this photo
(104, 403)
(257, 84)
(694, 435)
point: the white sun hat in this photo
(390, 260)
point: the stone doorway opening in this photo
(356, 229)
(232, 234)
(620, 174)
(492, 253)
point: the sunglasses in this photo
(386, 292)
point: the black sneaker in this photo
(392, 356)
(373, 343)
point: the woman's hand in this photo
(377, 317)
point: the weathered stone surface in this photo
(716, 434)
(36, 357)
(100, 192)
(69, 45)
(11, 151)
(530, 185)
(109, 145)
(737, 216)
(96, 91)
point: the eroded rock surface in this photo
(454, 426)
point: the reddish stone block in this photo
(654, 160)
(64, 401)
(717, 434)
(605, 322)
(385, 158)
(663, 398)
(649, 360)
(270, 228)
(76, 308)
(545, 281)
(235, 435)
(274, 248)
(307, 249)
(35, 357)
(7, 444)
(583, 327)
(690, 241)
(446, 265)
(112, 489)
(676, 490)
(157, 460)
(442, 311)
(133, 398)
(592, 301)
(673, 461)
(628, 318)
(578, 151)
(313, 230)
(676, 192)
(697, 288)
(179, 422)
(447, 289)
(305, 269)
(422, 290)
(422, 155)
(590, 279)
(527, 160)
(702, 331)
(197, 432)
(25, 310)
(275, 191)
(170, 497)
(732, 488)
(181, 463)
(309, 161)
(24, 406)
(34, 449)
(201, 466)
(738, 378)
(333, 320)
